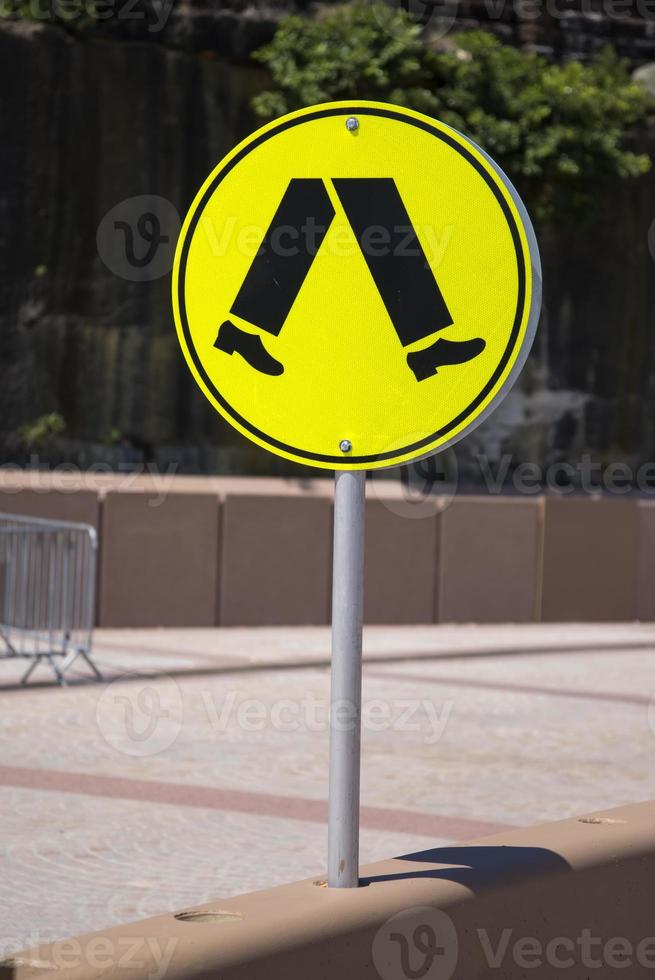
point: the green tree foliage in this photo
(69, 14)
(559, 130)
(42, 430)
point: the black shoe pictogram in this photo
(232, 340)
(424, 363)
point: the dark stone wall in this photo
(91, 119)
(565, 28)
(589, 385)
(85, 124)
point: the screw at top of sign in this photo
(345, 445)
(352, 124)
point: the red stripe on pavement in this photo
(509, 687)
(196, 657)
(242, 801)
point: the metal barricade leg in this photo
(87, 659)
(47, 593)
(28, 673)
(55, 669)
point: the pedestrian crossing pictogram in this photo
(400, 270)
(375, 287)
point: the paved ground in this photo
(200, 769)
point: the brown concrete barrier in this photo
(482, 559)
(590, 559)
(55, 505)
(646, 561)
(157, 482)
(400, 564)
(567, 899)
(489, 560)
(276, 561)
(158, 564)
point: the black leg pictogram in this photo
(424, 363)
(401, 271)
(393, 254)
(233, 340)
(285, 255)
(278, 271)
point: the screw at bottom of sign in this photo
(345, 445)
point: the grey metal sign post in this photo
(295, 389)
(346, 685)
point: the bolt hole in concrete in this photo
(16, 961)
(597, 820)
(322, 883)
(204, 916)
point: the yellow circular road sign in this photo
(356, 285)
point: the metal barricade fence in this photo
(47, 592)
